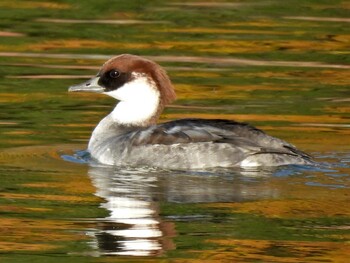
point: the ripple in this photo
(110, 22)
(11, 34)
(188, 59)
(331, 186)
(49, 77)
(337, 125)
(82, 157)
(215, 4)
(46, 158)
(319, 19)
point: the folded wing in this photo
(217, 131)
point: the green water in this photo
(281, 66)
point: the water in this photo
(283, 67)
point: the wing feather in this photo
(237, 134)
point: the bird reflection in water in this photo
(134, 226)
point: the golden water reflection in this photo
(142, 215)
(284, 70)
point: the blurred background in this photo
(282, 66)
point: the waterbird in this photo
(131, 136)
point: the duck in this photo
(131, 135)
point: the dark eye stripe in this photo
(113, 79)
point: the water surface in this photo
(283, 67)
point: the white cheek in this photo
(118, 94)
(139, 101)
(141, 88)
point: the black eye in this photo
(114, 74)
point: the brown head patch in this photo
(127, 63)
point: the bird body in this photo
(130, 135)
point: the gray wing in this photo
(216, 131)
